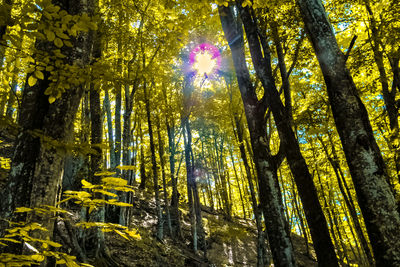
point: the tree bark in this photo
(106, 103)
(280, 243)
(37, 166)
(363, 156)
(154, 165)
(261, 247)
(175, 218)
(308, 194)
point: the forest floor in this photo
(229, 243)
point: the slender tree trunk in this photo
(162, 161)
(118, 104)
(160, 222)
(389, 96)
(143, 176)
(175, 218)
(347, 199)
(189, 181)
(299, 215)
(98, 243)
(106, 104)
(238, 184)
(11, 100)
(222, 178)
(363, 156)
(261, 249)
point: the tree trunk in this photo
(106, 104)
(189, 182)
(280, 243)
(154, 165)
(261, 249)
(37, 165)
(162, 162)
(175, 218)
(347, 199)
(305, 185)
(363, 156)
(238, 184)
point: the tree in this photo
(48, 110)
(278, 237)
(363, 156)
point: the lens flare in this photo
(205, 60)
(204, 63)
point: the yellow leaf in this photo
(104, 192)
(53, 244)
(62, 35)
(39, 74)
(121, 234)
(37, 257)
(104, 173)
(126, 167)
(22, 209)
(114, 181)
(10, 240)
(121, 204)
(47, 15)
(91, 209)
(32, 80)
(86, 184)
(58, 42)
(68, 43)
(50, 35)
(134, 234)
(52, 99)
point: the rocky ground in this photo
(229, 243)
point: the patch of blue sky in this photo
(136, 24)
(184, 12)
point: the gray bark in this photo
(364, 158)
(276, 228)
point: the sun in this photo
(204, 63)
